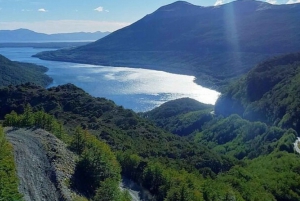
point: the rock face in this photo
(44, 165)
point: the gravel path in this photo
(43, 164)
(136, 192)
(296, 147)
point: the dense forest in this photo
(217, 158)
(13, 73)
(268, 93)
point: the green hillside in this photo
(227, 159)
(14, 73)
(268, 93)
(122, 129)
(181, 116)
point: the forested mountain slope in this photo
(268, 93)
(13, 73)
(181, 116)
(228, 159)
(122, 129)
(214, 43)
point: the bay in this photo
(134, 88)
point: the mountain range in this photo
(215, 43)
(25, 35)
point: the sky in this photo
(65, 16)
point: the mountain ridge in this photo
(26, 35)
(211, 43)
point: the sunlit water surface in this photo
(133, 88)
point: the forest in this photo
(218, 158)
(14, 73)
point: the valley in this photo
(188, 103)
(214, 44)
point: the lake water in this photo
(133, 88)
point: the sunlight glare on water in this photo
(134, 88)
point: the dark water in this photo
(133, 88)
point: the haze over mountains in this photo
(25, 35)
(213, 43)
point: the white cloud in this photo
(272, 1)
(65, 26)
(42, 10)
(219, 2)
(293, 1)
(99, 9)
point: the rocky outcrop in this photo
(44, 165)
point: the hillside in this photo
(268, 93)
(122, 129)
(43, 164)
(229, 158)
(181, 116)
(25, 35)
(215, 44)
(13, 73)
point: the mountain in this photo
(268, 93)
(13, 73)
(215, 44)
(25, 35)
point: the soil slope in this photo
(44, 165)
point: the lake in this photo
(134, 88)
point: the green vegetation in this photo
(268, 93)
(8, 178)
(14, 73)
(240, 138)
(122, 129)
(181, 116)
(222, 158)
(97, 173)
(97, 168)
(38, 119)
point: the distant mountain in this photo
(13, 73)
(214, 43)
(268, 93)
(25, 35)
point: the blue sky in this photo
(62, 16)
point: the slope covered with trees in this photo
(97, 172)
(213, 43)
(122, 129)
(181, 116)
(268, 93)
(228, 159)
(14, 73)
